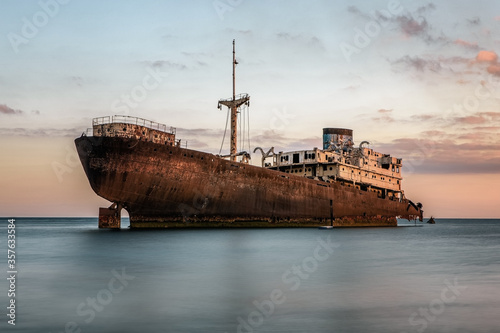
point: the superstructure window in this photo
(284, 158)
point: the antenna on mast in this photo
(233, 104)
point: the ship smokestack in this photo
(337, 138)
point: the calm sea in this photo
(73, 277)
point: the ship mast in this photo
(233, 104)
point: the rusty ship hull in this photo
(165, 186)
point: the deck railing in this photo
(132, 120)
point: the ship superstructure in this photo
(340, 161)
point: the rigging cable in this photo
(225, 130)
(242, 131)
(248, 125)
(242, 128)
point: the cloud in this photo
(476, 118)
(471, 120)
(433, 133)
(352, 87)
(426, 117)
(436, 122)
(426, 8)
(487, 56)
(452, 144)
(494, 69)
(419, 64)
(239, 31)
(165, 64)
(435, 155)
(453, 64)
(416, 25)
(411, 27)
(4, 109)
(486, 128)
(197, 55)
(267, 136)
(384, 115)
(196, 144)
(474, 21)
(77, 80)
(356, 11)
(468, 45)
(199, 132)
(305, 40)
(41, 132)
(410, 24)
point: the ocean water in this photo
(73, 277)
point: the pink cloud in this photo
(385, 111)
(492, 58)
(493, 115)
(466, 44)
(487, 56)
(478, 118)
(494, 69)
(474, 120)
(442, 155)
(4, 109)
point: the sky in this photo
(419, 80)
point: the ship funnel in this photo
(337, 139)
